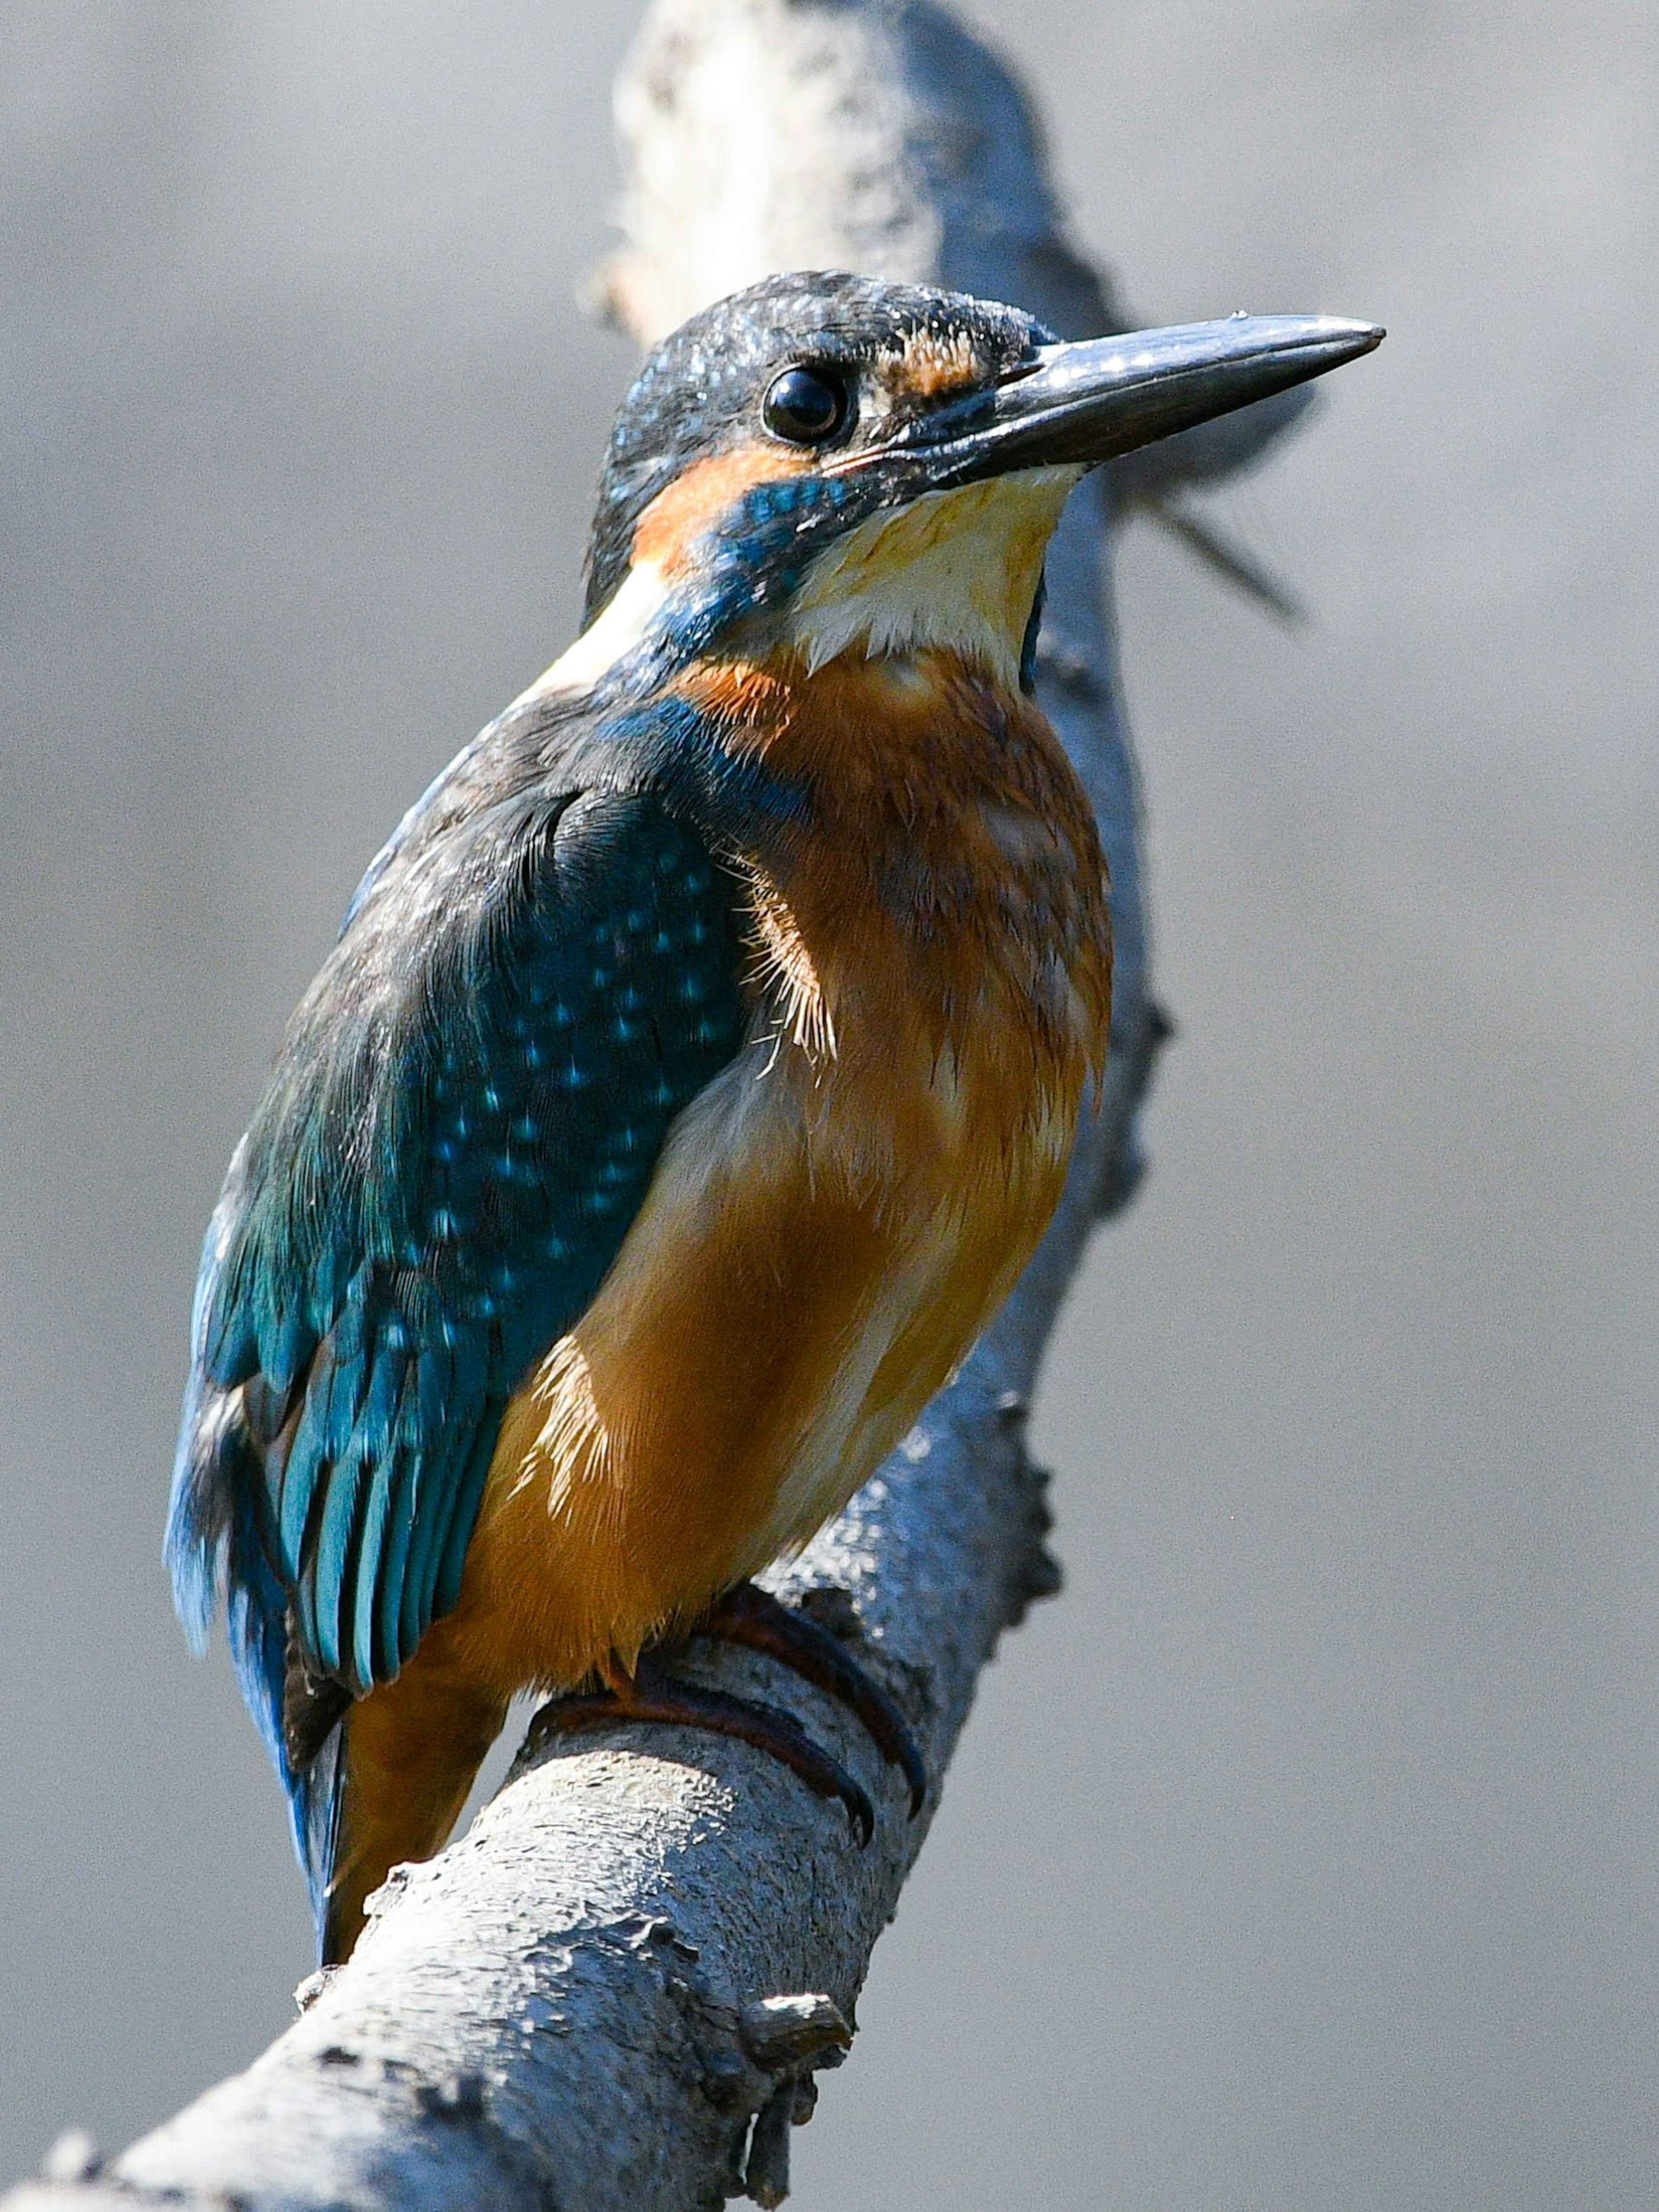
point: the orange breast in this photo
(835, 1219)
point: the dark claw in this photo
(656, 1696)
(751, 1616)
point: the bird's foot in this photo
(751, 1616)
(652, 1695)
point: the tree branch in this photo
(615, 1991)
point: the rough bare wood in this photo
(615, 1989)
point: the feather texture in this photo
(462, 1123)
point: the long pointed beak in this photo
(1084, 404)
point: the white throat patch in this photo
(634, 606)
(954, 568)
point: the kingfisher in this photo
(696, 1069)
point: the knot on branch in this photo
(74, 2157)
(1033, 1570)
(756, 2060)
(1135, 1048)
(782, 2033)
(787, 2037)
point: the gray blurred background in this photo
(1302, 1854)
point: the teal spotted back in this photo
(462, 1123)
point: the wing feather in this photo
(460, 1128)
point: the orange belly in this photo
(835, 1219)
(783, 1309)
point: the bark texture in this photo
(615, 1989)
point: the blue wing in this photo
(462, 1123)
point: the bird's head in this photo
(826, 464)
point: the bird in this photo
(696, 1070)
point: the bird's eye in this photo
(805, 406)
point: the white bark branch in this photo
(614, 1991)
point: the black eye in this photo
(805, 406)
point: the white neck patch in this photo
(628, 613)
(957, 569)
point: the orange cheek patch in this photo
(749, 699)
(677, 518)
(928, 366)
